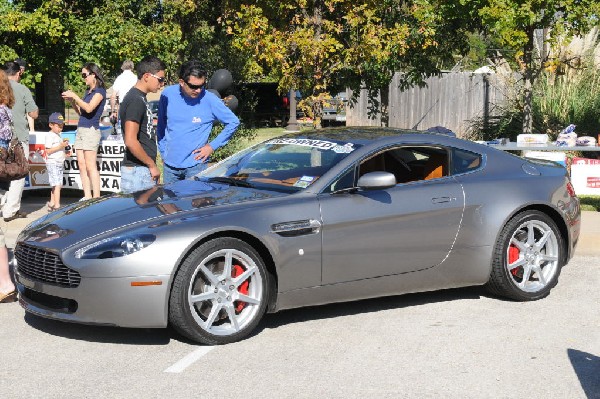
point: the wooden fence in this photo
(451, 100)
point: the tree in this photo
(58, 37)
(515, 22)
(63, 35)
(319, 45)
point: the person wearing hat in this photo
(22, 64)
(57, 149)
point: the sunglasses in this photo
(85, 75)
(194, 87)
(160, 79)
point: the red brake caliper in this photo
(513, 256)
(237, 270)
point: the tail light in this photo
(571, 190)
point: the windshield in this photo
(282, 164)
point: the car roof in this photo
(363, 135)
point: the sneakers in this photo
(17, 215)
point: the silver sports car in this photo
(304, 219)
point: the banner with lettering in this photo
(585, 176)
(110, 155)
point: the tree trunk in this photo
(317, 107)
(528, 83)
(385, 106)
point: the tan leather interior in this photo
(436, 166)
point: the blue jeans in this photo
(171, 174)
(135, 178)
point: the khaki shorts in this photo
(87, 138)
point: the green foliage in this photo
(590, 202)
(318, 47)
(514, 23)
(567, 99)
(559, 101)
(238, 141)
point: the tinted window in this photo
(409, 164)
(464, 161)
(282, 164)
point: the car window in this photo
(464, 161)
(409, 163)
(283, 164)
(344, 181)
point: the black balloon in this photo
(231, 102)
(215, 92)
(221, 80)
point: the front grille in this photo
(39, 264)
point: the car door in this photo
(409, 227)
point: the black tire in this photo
(527, 258)
(205, 303)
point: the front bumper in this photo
(103, 301)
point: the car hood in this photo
(97, 216)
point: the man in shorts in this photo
(138, 168)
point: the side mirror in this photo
(376, 181)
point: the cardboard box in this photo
(533, 139)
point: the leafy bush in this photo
(590, 202)
(243, 135)
(558, 101)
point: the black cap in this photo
(22, 63)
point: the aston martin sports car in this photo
(303, 219)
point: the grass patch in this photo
(590, 202)
(267, 133)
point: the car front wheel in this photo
(527, 257)
(219, 293)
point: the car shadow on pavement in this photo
(329, 311)
(163, 336)
(587, 368)
(102, 334)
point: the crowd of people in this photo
(186, 114)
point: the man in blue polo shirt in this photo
(186, 113)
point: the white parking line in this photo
(189, 359)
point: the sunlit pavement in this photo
(452, 343)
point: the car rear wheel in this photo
(527, 257)
(220, 292)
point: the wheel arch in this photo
(556, 217)
(255, 243)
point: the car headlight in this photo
(115, 247)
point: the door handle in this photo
(441, 200)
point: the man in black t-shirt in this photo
(138, 169)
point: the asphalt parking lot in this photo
(454, 343)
